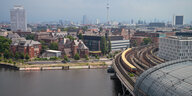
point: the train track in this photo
(143, 58)
(122, 70)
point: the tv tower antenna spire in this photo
(108, 11)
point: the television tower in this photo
(108, 11)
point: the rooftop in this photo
(172, 78)
(54, 51)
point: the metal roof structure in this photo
(172, 78)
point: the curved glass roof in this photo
(172, 78)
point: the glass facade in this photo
(172, 78)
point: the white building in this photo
(51, 53)
(18, 19)
(175, 47)
(120, 45)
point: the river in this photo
(80, 82)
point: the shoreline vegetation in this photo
(59, 66)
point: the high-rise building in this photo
(179, 20)
(18, 18)
(85, 20)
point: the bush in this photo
(10, 61)
(131, 74)
(53, 58)
(27, 57)
(96, 56)
(14, 63)
(76, 57)
(5, 60)
(66, 58)
(86, 57)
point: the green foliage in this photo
(190, 28)
(134, 43)
(86, 57)
(44, 46)
(17, 56)
(70, 37)
(40, 59)
(30, 37)
(80, 36)
(76, 57)
(5, 60)
(146, 41)
(68, 29)
(101, 29)
(4, 44)
(84, 28)
(21, 55)
(6, 54)
(27, 57)
(97, 57)
(53, 46)
(14, 63)
(53, 58)
(108, 45)
(103, 45)
(10, 61)
(66, 58)
(131, 74)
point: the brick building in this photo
(30, 47)
(71, 47)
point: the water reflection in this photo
(86, 82)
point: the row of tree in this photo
(105, 45)
(145, 41)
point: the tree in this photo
(76, 57)
(6, 54)
(96, 56)
(4, 44)
(103, 45)
(30, 37)
(70, 37)
(53, 46)
(80, 36)
(134, 43)
(109, 45)
(84, 28)
(147, 41)
(44, 46)
(16, 55)
(22, 56)
(27, 57)
(66, 58)
(86, 57)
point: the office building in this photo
(18, 18)
(120, 45)
(175, 47)
(85, 20)
(179, 20)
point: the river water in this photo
(80, 82)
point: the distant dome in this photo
(172, 78)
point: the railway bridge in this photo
(129, 64)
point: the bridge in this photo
(142, 58)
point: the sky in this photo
(120, 10)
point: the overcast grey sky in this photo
(120, 10)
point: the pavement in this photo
(106, 60)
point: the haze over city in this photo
(120, 10)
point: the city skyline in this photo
(125, 10)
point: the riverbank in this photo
(62, 66)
